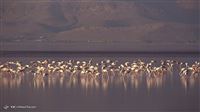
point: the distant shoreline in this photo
(100, 47)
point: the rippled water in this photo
(168, 93)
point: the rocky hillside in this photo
(86, 20)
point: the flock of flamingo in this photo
(94, 71)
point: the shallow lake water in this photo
(169, 93)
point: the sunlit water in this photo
(72, 93)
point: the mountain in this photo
(104, 20)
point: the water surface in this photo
(167, 94)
